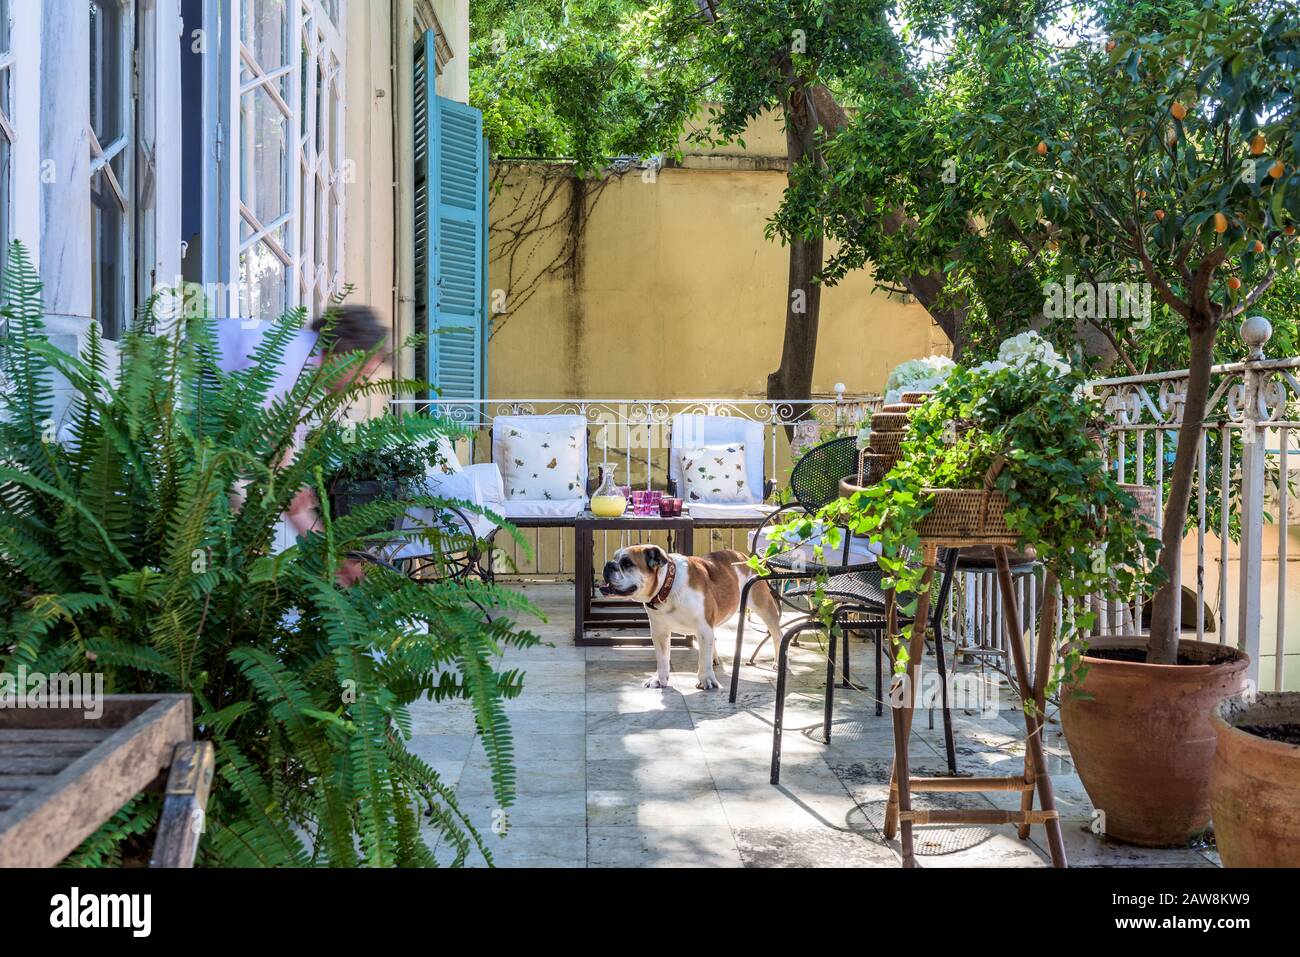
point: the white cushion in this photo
(572, 425)
(552, 508)
(692, 431)
(862, 551)
(487, 481)
(706, 510)
(472, 486)
(715, 474)
(449, 461)
(541, 465)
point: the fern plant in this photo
(137, 539)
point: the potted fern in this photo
(137, 539)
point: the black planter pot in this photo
(346, 497)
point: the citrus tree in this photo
(1169, 155)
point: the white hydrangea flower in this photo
(1024, 351)
(917, 375)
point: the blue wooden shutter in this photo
(450, 240)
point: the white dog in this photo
(689, 595)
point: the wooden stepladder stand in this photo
(899, 813)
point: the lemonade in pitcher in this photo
(608, 501)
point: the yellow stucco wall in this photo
(676, 292)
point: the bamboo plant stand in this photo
(899, 813)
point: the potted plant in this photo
(397, 471)
(1024, 423)
(1164, 155)
(1255, 779)
(138, 543)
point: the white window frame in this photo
(314, 270)
(124, 145)
(320, 261)
(7, 128)
(24, 66)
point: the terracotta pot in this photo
(1255, 783)
(1143, 742)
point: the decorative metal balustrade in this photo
(1234, 567)
(635, 434)
(1240, 496)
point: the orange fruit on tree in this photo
(1277, 169)
(1042, 148)
(1289, 230)
(1234, 283)
(1220, 223)
(1160, 215)
(1258, 144)
(1179, 111)
(1257, 247)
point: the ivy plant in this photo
(1029, 413)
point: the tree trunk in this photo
(1162, 647)
(793, 378)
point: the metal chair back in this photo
(815, 479)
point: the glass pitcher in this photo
(608, 501)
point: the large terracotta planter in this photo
(1255, 784)
(1143, 742)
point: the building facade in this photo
(263, 153)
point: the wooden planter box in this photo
(63, 774)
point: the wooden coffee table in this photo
(616, 613)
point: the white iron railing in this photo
(1244, 460)
(635, 434)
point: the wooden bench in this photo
(63, 774)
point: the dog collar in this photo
(662, 594)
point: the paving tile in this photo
(547, 701)
(534, 746)
(547, 722)
(623, 722)
(699, 808)
(649, 775)
(810, 847)
(754, 772)
(785, 807)
(662, 846)
(613, 774)
(1085, 849)
(535, 847)
(544, 777)
(645, 743)
(562, 809)
(636, 700)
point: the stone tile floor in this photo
(611, 774)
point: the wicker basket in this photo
(963, 517)
(916, 398)
(966, 517)
(890, 421)
(875, 466)
(887, 443)
(904, 407)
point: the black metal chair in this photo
(856, 588)
(814, 483)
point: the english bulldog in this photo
(689, 595)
